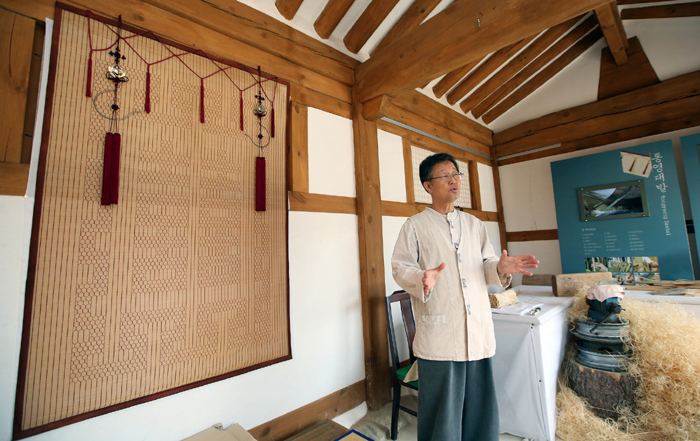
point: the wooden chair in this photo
(399, 373)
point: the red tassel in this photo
(110, 171)
(88, 86)
(147, 105)
(260, 204)
(116, 154)
(272, 123)
(107, 169)
(240, 109)
(201, 101)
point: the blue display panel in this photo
(691, 164)
(653, 247)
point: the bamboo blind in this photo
(183, 280)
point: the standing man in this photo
(444, 259)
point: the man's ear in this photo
(428, 186)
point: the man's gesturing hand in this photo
(515, 264)
(430, 277)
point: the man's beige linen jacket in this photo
(453, 322)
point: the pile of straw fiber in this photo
(666, 360)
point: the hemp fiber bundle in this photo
(505, 298)
(666, 361)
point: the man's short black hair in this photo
(426, 167)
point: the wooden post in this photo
(499, 201)
(369, 226)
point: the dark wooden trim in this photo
(307, 416)
(321, 203)
(525, 236)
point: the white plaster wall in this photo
(487, 188)
(391, 167)
(528, 196)
(670, 44)
(11, 240)
(331, 154)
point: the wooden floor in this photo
(324, 431)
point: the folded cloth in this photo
(518, 309)
(412, 374)
(505, 298)
(604, 292)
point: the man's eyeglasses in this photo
(446, 178)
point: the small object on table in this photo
(505, 298)
(570, 285)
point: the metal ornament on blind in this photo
(260, 112)
(116, 73)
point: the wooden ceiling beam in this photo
(636, 2)
(376, 108)
(369, 21)
(557, 48)
(432, 110)
(288, 8)
(331, 15)
(250, 26)
(614, 34)
(414, 16)
(494, 62)
(674, 98)
(455, 37)
(691, 9)
(516, 64)
(449, 80)
(396, 113)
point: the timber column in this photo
(369, 227)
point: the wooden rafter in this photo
(670, 99)
(516, 64)
(368, 22)
(663, 11)
(449, 80)
(494, 62)
(331, 15)
(440, 44)
(545, 75)
(288, 8)
(532, 68)
(414, 15)
(613, 31)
